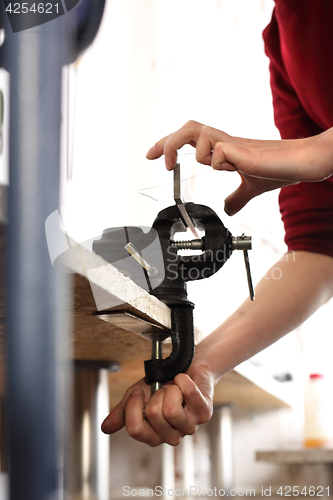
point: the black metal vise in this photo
(159, 267)
(216, 247)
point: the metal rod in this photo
(156, 353)
(188, 244)
(188, 462)
(222, 448)
(88, 453)
(168, 470)
(248, 274)
(152, 271)
(178, 199)
(35, 291)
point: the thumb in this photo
(115, 420)
(239, 198)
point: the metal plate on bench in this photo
(133, 324)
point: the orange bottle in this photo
(318, 407)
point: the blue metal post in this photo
(35, 290)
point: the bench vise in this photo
(168, 270)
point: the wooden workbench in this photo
(95, 339)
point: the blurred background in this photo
(154, 65)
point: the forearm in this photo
(305, 283)
(323, 155)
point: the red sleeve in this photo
(307, 214)
(299, 44)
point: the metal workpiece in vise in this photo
(168, 270)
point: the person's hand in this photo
(171, 413)
(262, 165)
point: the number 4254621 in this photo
(36, 8)
(312, 491)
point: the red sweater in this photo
(299, 43)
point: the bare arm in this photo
(305, 284)
(262, 165)
(281, 305)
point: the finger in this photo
(206, 143)
(219, 160)
(136, 424)
(154, 412)
(195, 401)
(116, 419)
(187, 134)
(174, 411)
(157, 150)
(239, 198)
